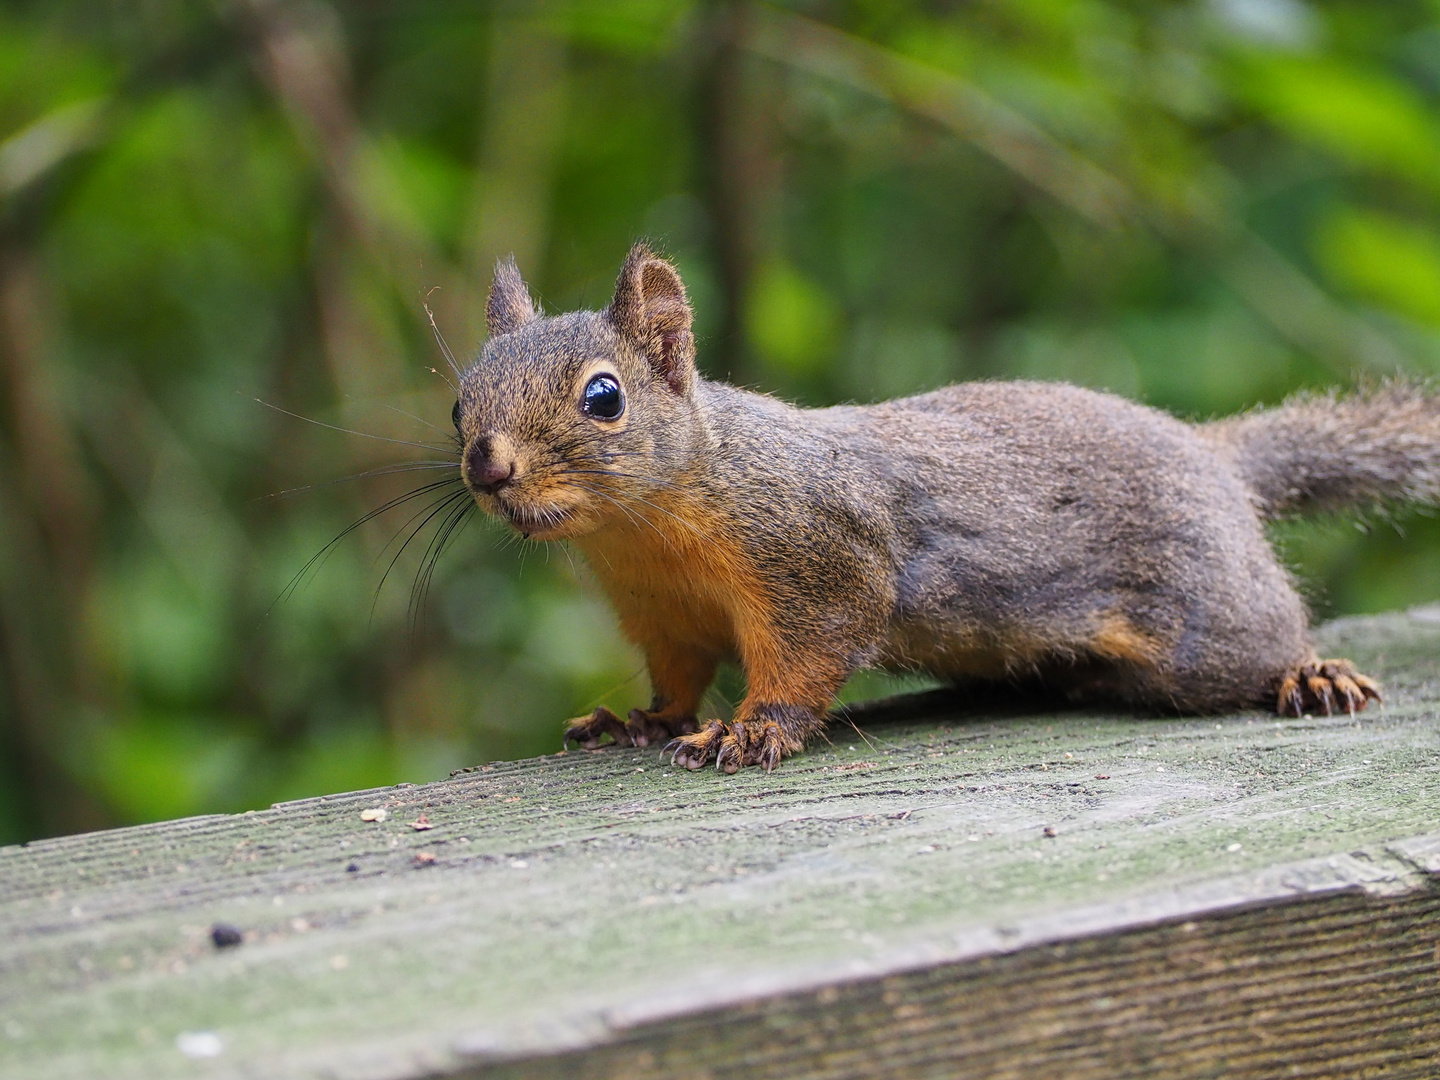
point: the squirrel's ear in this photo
(652, 312)
(508, 306)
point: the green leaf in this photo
(1383, 258)
(1362, 115)
(792, 322)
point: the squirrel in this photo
(984, 533)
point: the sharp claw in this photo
(1349, 692)
(1325, 685)
(732, 749)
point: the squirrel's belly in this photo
(962, 650)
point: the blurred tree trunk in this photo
(524, 119)
(48, 511)
(742, 174)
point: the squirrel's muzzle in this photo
(486, 469)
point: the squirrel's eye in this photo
(603, 399)
(455, 416)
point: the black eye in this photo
(603, 399)
(455, 416)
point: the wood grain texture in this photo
(1238, 897)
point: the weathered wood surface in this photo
(1234, 896)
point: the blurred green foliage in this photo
(1204, 205)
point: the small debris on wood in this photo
(353, 868)
(1101, 776)
(424, 858)
(226, 936)
(420, 824)
(199, 1044)
(375, 813)
(1049, 831)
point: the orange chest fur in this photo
(680, 580)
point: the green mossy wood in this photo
(1233, 896)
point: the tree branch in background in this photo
(525, 110)
(1272, 286)
(367, 252)
(741, 174)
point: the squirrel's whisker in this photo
(442, 506)
(654, 506)
(632, 514)
(448, 530)
(351, 431)
(628, 476)
(383, 470)
(411, 520)
(419, 420)
(440, 339)
(320, 555)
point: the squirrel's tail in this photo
(1325, 452)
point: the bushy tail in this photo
(1325, 452)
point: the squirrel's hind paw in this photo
(1325, 686)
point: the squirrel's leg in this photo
(679, 676)
(787, 695)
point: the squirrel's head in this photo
(567, 421)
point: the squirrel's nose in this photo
(484, 471)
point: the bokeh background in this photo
(1203, 205)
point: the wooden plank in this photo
(1236, 894)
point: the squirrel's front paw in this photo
(753, 743)
(588, 730)
(693, 751)
(642, 729)
(1325, 685)
(646, 727)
